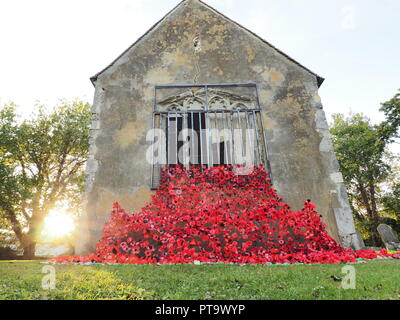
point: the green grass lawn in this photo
(375, 280)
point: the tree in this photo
(391, 202)
(361, 151)
(390, 131)
(390, 199)
(391, 109)
(41, 162)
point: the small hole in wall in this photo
(197, 44)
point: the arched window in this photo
(207, 125)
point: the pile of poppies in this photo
(216, 216)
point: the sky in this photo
(50, 48)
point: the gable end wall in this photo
(303, 163)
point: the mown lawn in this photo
(374, 280)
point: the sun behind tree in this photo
(41, 164)
(57, 224)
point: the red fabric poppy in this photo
(215, 215)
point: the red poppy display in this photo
(212, 216)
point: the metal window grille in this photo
(198, 109)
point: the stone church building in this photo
(197, 69)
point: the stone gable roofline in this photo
(320, 79)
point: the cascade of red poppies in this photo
(214, 215)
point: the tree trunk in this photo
(371, 212)
(375, 217)
(30, 240)
(364, 199)
(29, 250)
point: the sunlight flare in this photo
(58, 223)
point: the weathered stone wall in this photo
(302, 159)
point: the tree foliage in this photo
(389, 128)
(41, 161)
(391, 201)
(361, 152)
